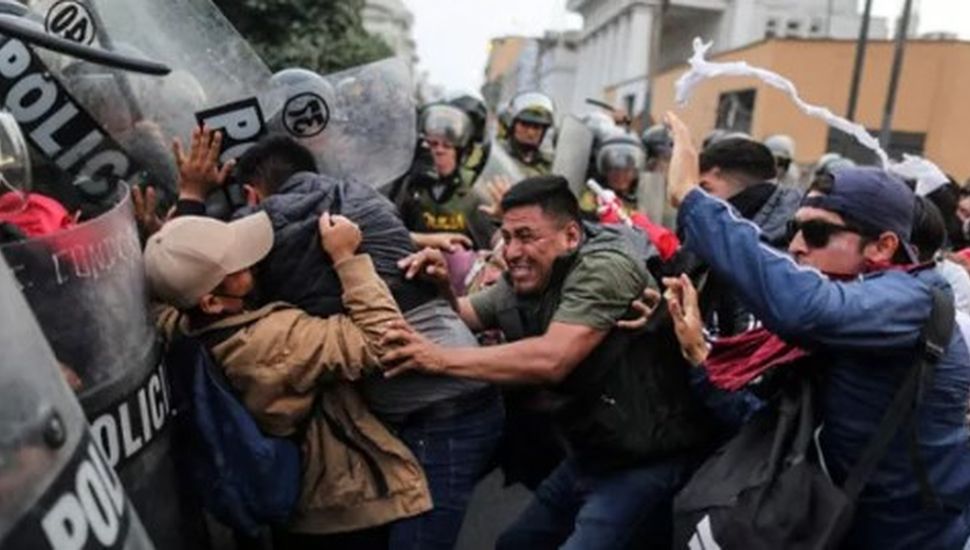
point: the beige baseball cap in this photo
(191, 255)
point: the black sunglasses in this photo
(817, 233)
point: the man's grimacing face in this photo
(533, 241)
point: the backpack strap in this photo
(934, 339)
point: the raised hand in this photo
(146, 205)
(199, 171)
(684, 171)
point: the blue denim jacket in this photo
(866, 332)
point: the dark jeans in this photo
(454, 444)
(574, 509)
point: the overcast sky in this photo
(453, 35)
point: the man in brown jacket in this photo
(292, 370)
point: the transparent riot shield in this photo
(211, 64)
(652, 199)
(86, 287)
(573, 149)
(361, 124)
(499, 165)
(57, 490)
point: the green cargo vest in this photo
(629, 402)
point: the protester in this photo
(929, 239)
(947, 200)
(864, 332)
(619, 398)
(452, 425)
(473, 106)
(741, 172)
(290, 369)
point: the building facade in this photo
(392, 21)
(511, 68)
(930, 118)
(615, 46)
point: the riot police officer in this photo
(783, 149)
(530, 116)
(475, 108)
(658, 145)
(436, 199)
(619, 162)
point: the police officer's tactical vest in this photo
(541, 166)
(455, 210)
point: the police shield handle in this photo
(684, 172)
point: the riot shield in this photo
(361, 124)
(57, 490)
(652, 199)
(211, 66)
(86, 286)
(499, 164)
(573, 150)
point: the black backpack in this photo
(763, 490)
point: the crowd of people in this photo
(603, 345)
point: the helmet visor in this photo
(447, 123)
(620, 156)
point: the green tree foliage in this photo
(320, 35)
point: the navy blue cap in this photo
(871, 198)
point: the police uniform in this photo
(541, 164)
(430, 204)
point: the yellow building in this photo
(932, 115)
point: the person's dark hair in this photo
(929, 231)
(550, 193)
(272, 161)
(947, 199)
(747, 160)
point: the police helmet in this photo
(474, 107)
(621, 151)
(657, 141)
(447, 122)
(781, 146)
(600, 124)
(532, 107)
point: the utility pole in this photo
(860, 61)
(900, 49)
(828, 21)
